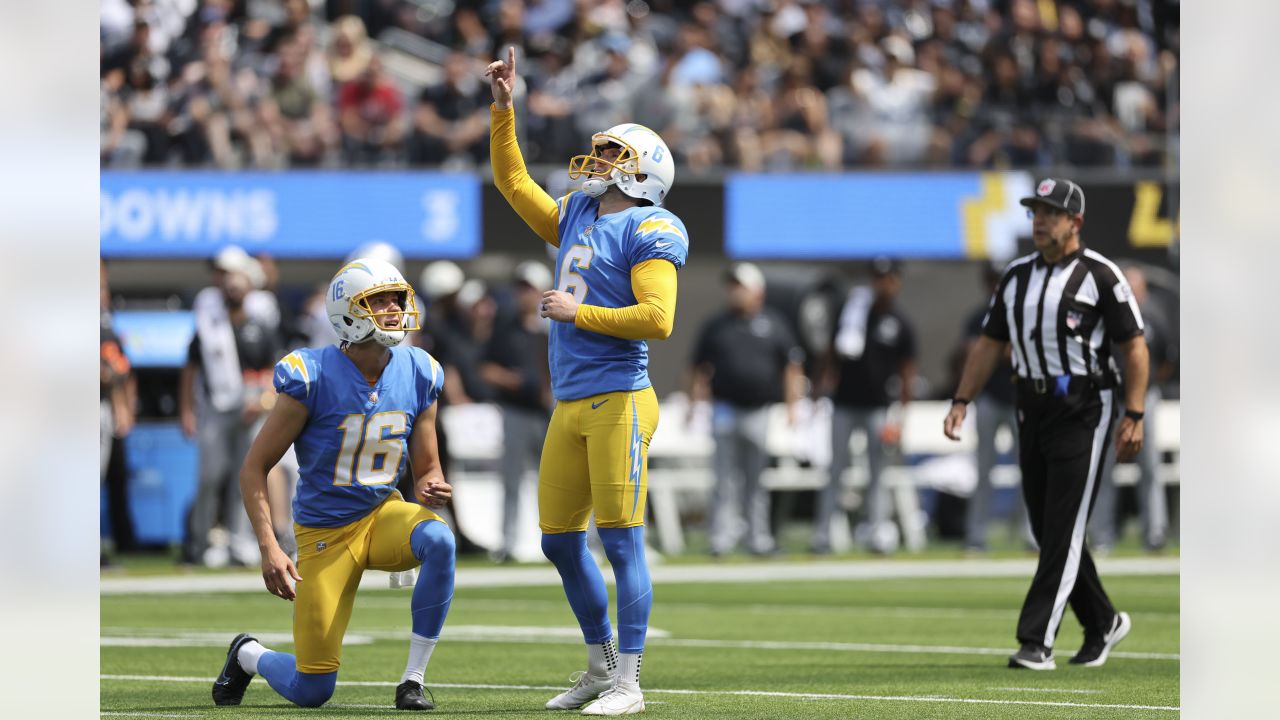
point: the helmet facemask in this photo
(588, 166)
(380, 329)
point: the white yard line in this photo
(545, 575)
(738, 693)
(123, 714)
(134, 637)
(940, 613)
(1075, 691)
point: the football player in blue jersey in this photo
(615, 288)
(355, 413)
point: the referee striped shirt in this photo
(1061, 319)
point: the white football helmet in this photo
(643, 153)
(348, 303)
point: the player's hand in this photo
(435, 493)
(502, 78)
(277, 571)
(955, 418)
(891, 434)
(1128, 439)
(559, 306)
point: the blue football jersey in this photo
(355, 441)
(594, 263)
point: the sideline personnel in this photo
(1060, 308)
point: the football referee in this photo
(1062, 309)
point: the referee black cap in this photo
(1060, 193)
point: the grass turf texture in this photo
(850, 638)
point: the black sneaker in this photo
(229, 688)
(1033, 657)
(409, 697)
(1095, 650)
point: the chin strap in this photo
(595, 187)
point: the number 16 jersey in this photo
(355, 441)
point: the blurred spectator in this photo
(371, 115)
(515, 364)
(136, 49)
(295, 112)
(1153, 512)
(606, 93)
(884, 113)
(451, 120)
(349, 50)
(117, 398)
(896, 83)
(872, 364)
(553, 103)
(446, 336)
(223, 393)
(547, 17)
(746, 361)
(993, 409)
(120, 146)
(146, 102)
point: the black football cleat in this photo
(409, 697)
(1095, 650)
(1033, 657)
(229, 688)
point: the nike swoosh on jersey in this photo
(596, 405)
(663, 244)
(281, 378)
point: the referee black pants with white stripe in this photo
(1063, 441)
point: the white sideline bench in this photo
(680, 458)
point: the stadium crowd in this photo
(746, 84)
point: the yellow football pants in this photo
(595, 458)
(331, 561)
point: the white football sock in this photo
(248, 655)
(602, 659)
(630, 673)
(419, 655)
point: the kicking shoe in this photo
(409, 697)
(586, 687)
(1095, 650)
(229, 688)
(621, 699)
(1033, 657)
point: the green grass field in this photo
(897, 648)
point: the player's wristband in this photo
(959, 400)
(1134, 414)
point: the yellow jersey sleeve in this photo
(653, 317)
(531, 202)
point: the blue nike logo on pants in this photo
(596, 405)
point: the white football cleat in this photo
(621, 699)
(586, 687)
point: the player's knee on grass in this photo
(432, 542)
(300, 688)
(314, 690)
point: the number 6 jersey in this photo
(355, 441)
(594, 264)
